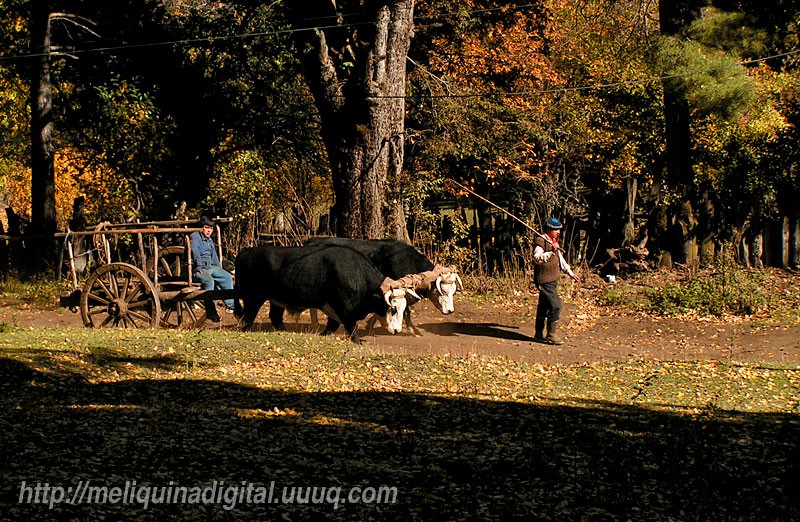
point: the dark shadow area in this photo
(111, 359)
(449, 458)
(98, 356)
(498, 331)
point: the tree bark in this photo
(674, 17)
(43, 207)
(707, 229)
(629, 227)
(794, 241)
(356, 72)
(757, 250)
(785, 242)
(43, 185)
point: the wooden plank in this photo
(168, 230)
(195, 294)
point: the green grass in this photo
(311, 363)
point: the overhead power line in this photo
(258, 34)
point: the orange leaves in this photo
(17, 189)
(510, 54)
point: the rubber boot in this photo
(552, 335)
(539, 335)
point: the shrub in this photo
(727, 289)
(614, 296)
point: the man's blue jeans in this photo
(216, 277)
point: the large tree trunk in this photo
(794, 241)
(675, 16)
(43, 216)
(43, 196)
(357, 71)
(707, 233)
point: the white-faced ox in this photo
(394, 259)
(445, 286)
(339, 281)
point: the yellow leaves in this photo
(107, 193)
(246, 413)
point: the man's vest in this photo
(547, 272)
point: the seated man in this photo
(207, 268)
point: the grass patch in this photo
(623, 295)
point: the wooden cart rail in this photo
(119, 231)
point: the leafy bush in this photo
(41, 290)
(727, 289)
(614, 296)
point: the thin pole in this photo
(501, 209)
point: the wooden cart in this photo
(151, 288)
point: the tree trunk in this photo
(757, 250)
(674, 17)
(357, 72)
(43, 195)
(794, 241)
(706, 230)
(629, 228)
(688, 225)
(40, 251)
(784, 248)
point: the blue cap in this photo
(553, 224)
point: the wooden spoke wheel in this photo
(101, 245)
(171, 264)
(173, 275)
(120, 295)
(181, 314)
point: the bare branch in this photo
(76, 20)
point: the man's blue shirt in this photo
(204, 253)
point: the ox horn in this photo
(439, 284)
(459, 282)
(412, 292)
(387, 296)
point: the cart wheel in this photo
(171, 264)
(101, 244)
(120, 295)
(172, 273)
(181, 314)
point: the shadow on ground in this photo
(449, 458)
(491, 330)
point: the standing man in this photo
(547, 268)
(207, 267)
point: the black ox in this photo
(339, 281)
(394, 259)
